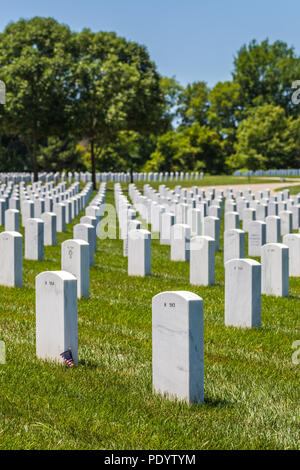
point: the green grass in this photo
(251, 385)
(293, 189)
(214, 181)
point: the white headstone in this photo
(286, 218)
(249, 215)
(177, 345)
(231, 220)
(56, 315)
(256, 237)
(202, 261)
(273, 229)
(86, 232)
(292, 241)
(34, 239)
(49, 219)
(212, 229)
(243, 293)
(12, 220)
(11, 252)
(75, 258)
(234, 244)
(60, 211)
(139, 253)
(275, 269)
(167, 221)
(180, 242)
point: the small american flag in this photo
(67, 357)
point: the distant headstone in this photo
(86, 232)
(12, 220)
(212, 229)
(256, 237)
(286, 218)
(292, 241)
(167, 221)
(180, 242)
(234, 244)
(11, 249)
(139, 253)
(49, 219)
(34, 239)
(75, 259)
(243, 293)
(202, 261)
(275, 269)
(177, 346)
(273, 230)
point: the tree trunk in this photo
(131, 175)
(93, 164)
(34, 160)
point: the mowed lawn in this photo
(251, 385)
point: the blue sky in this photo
(191, 40)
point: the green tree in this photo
(118, 89)
(60, 154)
(171, 91)
(193, 104)
(35, 57)
(264, 139)
(192, 147)
(265, 73)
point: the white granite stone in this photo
(234, 244)
(212, 229)
(177, 346)
(12, 220)
(231, 220)
(34, 239)
(27, 211)
(139, 253)
(202, 261)
(75, 259)
(11, 252)
(286, 218)
(56, 315)
(256, 237)
(275, 269)
(167, 221)
(273, 229)
(60, 211)
(249, 215)
(86, 232)
(292, 241)
(49, 219)
(243, 293)
(180, 242)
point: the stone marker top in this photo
(63, 275)
(249, 261)
(77, 240)
(186, 295)
(276, 245)
(35, 219)
(11, 233)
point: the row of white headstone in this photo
(40, 232)
(200, 250)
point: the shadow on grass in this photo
(88, 364)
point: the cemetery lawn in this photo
(251, 384)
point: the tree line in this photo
(96, 101)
